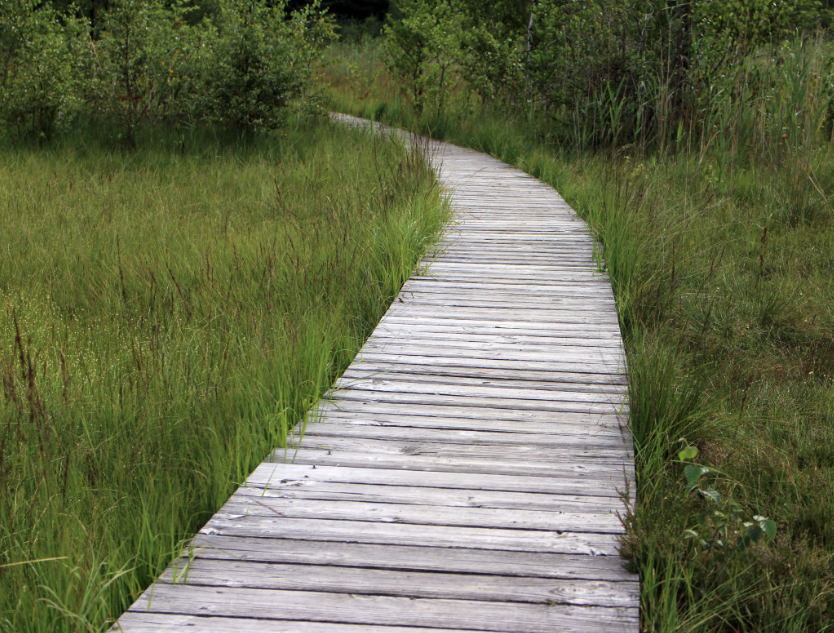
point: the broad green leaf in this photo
(694, 473)
(769, 527)
(688, 454)
(754, 533)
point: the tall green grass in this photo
(720, 248)
(167, 315)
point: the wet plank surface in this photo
(467, 471)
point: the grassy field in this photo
(167, 315)
(722, 261)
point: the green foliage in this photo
(492, 66)
(613, 73)
(43, 57)
(430, 44)
(262, 61)
(243, 65)
(141, 43)
(721, 524)
(750, 23)
(422, 48)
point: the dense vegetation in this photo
(165, 319)
(695, 138)
(190, 256)
(239, 65)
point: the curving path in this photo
(467, 471)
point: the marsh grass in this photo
(720, 247)
(167, 315)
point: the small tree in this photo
(422, 46)
(262, 61)
(43, 67)
(142, 43)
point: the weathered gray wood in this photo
(471, 392)
(335, 427)
(279, 475)
(524, 430)
(594, 459)
(530, 328)
(452, 331)
(611, 476)
(410, 584)
(386, 610)
(252, 502)
(342, 531)
(409, 558)
(429, 496)
(140, 622)
(469, 469)
(414, 357)
(559, 381)
(474, 412)
(556, 406)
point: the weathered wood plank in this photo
(336, 427)
(556, 406)
(266, 503)
(592, 420)
(555, 364)
(481, 331)
(410, 558)
(344, 419)
(470, 391)
(564, 381)
(139, 622)
(529, 327)
(386, 610)
(611, 476)
(410, 584)
(429, 496)
(591, 458)
(279, 475)
(342, 531)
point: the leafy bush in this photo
(262, 61)
(422, 47)
(43, 60)
(236, 64)
(141, 43)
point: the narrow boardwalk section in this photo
(466, 473)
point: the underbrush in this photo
(723, 270)
(167, 315)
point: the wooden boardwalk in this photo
(466, 472)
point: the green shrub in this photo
(422, 47)
(141, 43)
(43, 60)
(262, 61)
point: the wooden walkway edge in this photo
(467, 471)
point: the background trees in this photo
(602, 72)
(240, 64)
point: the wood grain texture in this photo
(466, 473)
